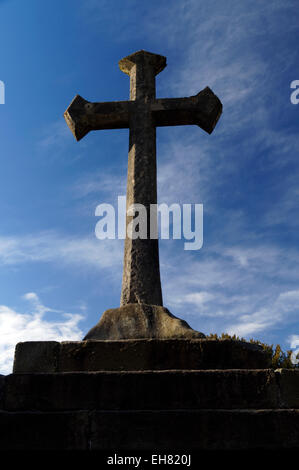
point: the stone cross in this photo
(142, 114)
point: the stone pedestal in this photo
(181, 410)
(147, 395)
(138, 355)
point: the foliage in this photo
(280, 359)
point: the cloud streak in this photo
(240, 290)
(47, 247)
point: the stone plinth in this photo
(139, 354)
(151, 390)
(153, 410)
(135, 321)
(148, 395)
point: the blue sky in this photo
(56, 277)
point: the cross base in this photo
(130, 412)
(138, 355)
(148, 394)
(136, 321)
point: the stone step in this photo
(139, 354)
(151, 390)
(150, 430)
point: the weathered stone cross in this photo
(142, 114)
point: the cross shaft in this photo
(141, 114)
(141, 273)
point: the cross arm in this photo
(82, 116)
(203, 109)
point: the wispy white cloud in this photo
(239, 290)
(199, 298)
(56, 142)
(55, 135)
(285, 307)
(88, 252)
(105, 184)
(16, 327)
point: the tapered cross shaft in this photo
(141, 274)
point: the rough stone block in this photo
(195, 430)
(288, 383)
(135, 321)
(154, 354)
(147, 390)
(139, 354)
(51, 392)
(36, 356)
(184, 430)
(43, 431)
